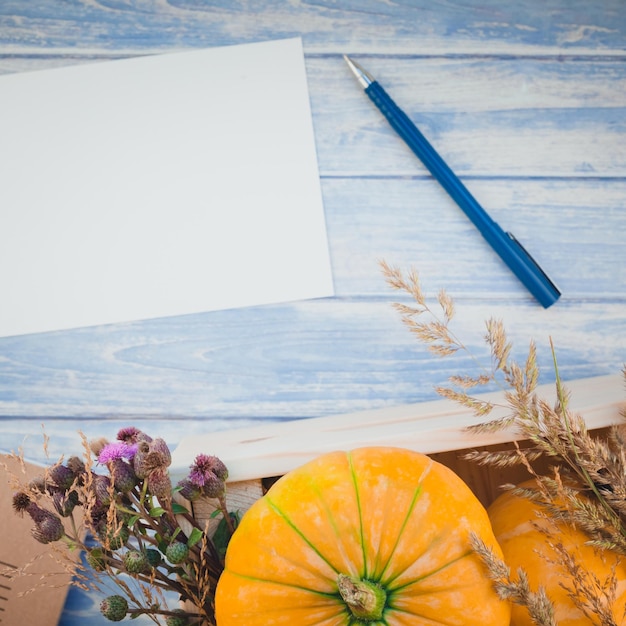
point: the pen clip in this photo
(538, 267)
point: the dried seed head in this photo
(132, 435)
(21, 502)
(96, 445)
(37, 484)
(139, 461)
(77, 466)
(159, 484)
(159, 454)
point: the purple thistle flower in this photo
(117, 450)
(209, 474)
(206, 468)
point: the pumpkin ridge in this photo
(416, 581)
(360, 513)
(291, 525)
(425, 619)
(416, 495)
(331, 520)
(321, 594)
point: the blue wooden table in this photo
(527, 103)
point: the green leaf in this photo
(195, 536)
(157, 511)
(222, 533)
(179, 509)
(133, 520)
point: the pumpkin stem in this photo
(366, 600)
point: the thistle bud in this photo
(113, 538)
(154, 557)
(114, 608)
(159, 484)
(136, 562)
(77, 466)
(102, 489)
(188, 490)
(177, 552)
(139, 460)
(38, 484)
(64, 503)
(48, 527)
(61, 477)
(214, 487)
(123, 474)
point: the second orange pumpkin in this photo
(527, 541)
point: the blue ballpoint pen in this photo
(504, 243)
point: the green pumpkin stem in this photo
(366, 600)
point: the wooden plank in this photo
(487, 117)
(416, 27)
(414, 223)
(431, 427)
(520, 117)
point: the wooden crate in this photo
(255, 456)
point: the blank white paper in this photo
(158, 186)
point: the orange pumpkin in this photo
(375, 536)
(517, 525)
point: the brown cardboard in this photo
(19, 603)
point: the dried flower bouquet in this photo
(119, 507)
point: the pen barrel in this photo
(522, 264)
(440, 170)
(505, 245)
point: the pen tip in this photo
(362, 76)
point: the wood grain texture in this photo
(364, 26)
(526, 101)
